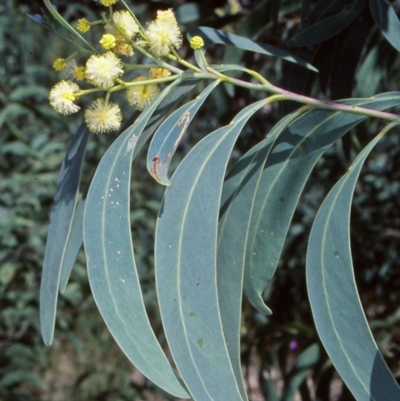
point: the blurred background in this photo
(282, 356)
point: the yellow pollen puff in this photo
(123, 48)
(83, 25)
(166, 16)
(102, 70)
(73, 71)
(159, 73)
(59, 64)
(126, 23)
(196, 42)
(80, 73)
(108, 41)
(162, 35)
(102, 117)
(62, 97)
(107, 3)
(69, 96)
(140, 96)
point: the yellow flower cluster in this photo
(59, 64)
(62, 97)
(101, 71)
(107, 3)
(83, 25)
(156, 73)
(196, 42)
(108, 41)
(73, 71)
(104, 70)
(123, 29)
(163, 34)
(125, 23)
(140, 96)
(102, 117)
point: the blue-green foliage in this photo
(246, 182)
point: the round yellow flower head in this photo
(163, 34)
(83, 25)
(62, 97)
(80, 73)
(102, 117)
(102, 70)
(125, 22)
(123, 48)
(108, 41)
(196, 42)
(73, 71)
(159, 73)
(59, 64)
(106, 3)
(140, 96)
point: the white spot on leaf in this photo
(131, 143)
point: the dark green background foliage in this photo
(84, 362)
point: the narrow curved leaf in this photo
(328, 27)
(387, 21)
(111, 265)
(185, 257)
(370, 72)
(169, 134)
(336, 307)
(286, 171)
(200, 60)
(346, 56)
(236, 208)
(62, 213)
(74, 244)
(230, 257)
(211, 35)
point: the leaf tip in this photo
(260, 305)
(159, 176)
(47, 337)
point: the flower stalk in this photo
(159, 42)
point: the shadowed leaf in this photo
(211, 35)
(60, 226)
(74, 244)
(336, 307)
(328, 27)
(287, 169)
(387, 21)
